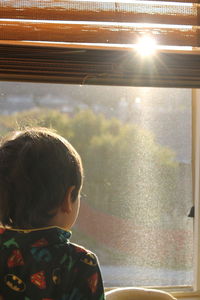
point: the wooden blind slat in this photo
(106, 67)
(38, 3)
(96, 33)
(102, 11)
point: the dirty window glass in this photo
(135, 144)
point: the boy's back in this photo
(43, 264)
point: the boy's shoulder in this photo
(85, 255)
(54, 241)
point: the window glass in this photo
(136, 149)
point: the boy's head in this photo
(37, 168)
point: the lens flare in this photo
(146, 46)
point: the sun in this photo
(146, 46)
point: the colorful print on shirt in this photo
(43, 265)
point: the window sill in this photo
(184, 295)
(187, 297)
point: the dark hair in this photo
(37, 166)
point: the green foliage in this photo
(128, 175)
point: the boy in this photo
(40, 181)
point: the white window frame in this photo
(196, 185)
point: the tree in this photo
(126, 171)
(127, 175)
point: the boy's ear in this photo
(66, 206)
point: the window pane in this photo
(136, 149)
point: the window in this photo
(136, 147)
(92, 42)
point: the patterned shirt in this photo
(41, 264)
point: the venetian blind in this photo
(54, 38)
(171, 23)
